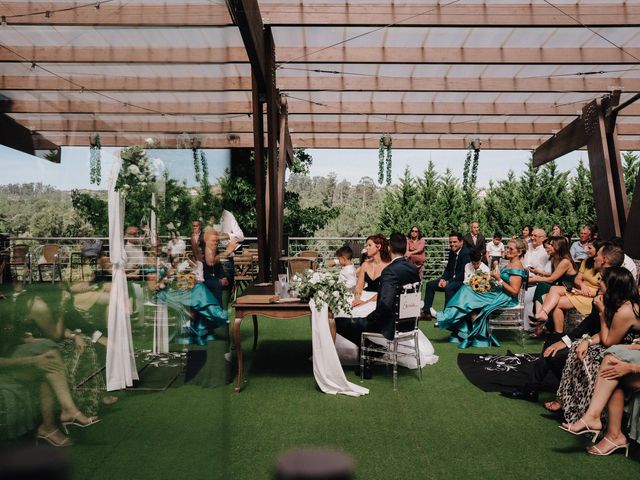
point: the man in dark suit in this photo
(474, 240)
(382, 320)
(453, 276)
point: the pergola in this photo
(326, 74)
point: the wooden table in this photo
(283, 311)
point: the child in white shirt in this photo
(348, 271)
(495, 250)
(475, 265)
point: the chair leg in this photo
(395, 365)
(417, 348)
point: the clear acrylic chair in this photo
(510, 318)
(376, 348)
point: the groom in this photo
(398, 273)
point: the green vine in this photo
(95, 157)
(384, 156)
(196, 164)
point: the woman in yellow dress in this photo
(559, 299)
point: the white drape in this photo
(121, 365)
(326, 365)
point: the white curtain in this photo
(326, 365)
(121, 365)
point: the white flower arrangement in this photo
(135, 172)
(324, 288)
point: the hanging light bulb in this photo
(97, 6)
(33, 66)
(47, 14)
(4, 21)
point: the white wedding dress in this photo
(348, 351)
(327, 369)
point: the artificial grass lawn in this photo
(442, 427)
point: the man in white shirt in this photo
(536, 257)
(474, 266)
(578, 248)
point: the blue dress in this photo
(455, 316)
(204, 308)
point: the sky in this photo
(350, 165)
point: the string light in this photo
(97, 6)
(4, 21)
(47, 14)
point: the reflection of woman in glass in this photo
(203, 298)
(33, 368)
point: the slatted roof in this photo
(433, 74)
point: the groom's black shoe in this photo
(365, 374)
(527, 394)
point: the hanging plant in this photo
(470, 173)
(196, 164)
(95, 157)
(385, 145)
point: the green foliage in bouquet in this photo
(323, 288)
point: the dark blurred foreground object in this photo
(314, 463)
(34, 463)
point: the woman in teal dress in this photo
(203, 299)
(467, 313)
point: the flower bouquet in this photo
(324, 288)
(482, 282)
(185, 280)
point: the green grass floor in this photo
(437, 428)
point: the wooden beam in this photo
(341, 54)
(132, 14)
(320, 82)
(332, 13)
(14, 135)
(195, 103)
(317, 140)
(246, 15)
(570, 138)
(177, 125)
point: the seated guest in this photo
(628, 262)
(415, 248)
(556, 230)
(348, 272)
(561, 299)
(134, 251)
(397, 273)
(536, 258)
(176, 246)
(556, 348)
(527, 230)
(474, 266)
(563, 273)
(467, 313)
(620, 371)
(578, 248)
(495, 250)
(618, 306)
(369, 274)
(452, 277)
(474, 240)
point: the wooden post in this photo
(275, 229)
(606, 172)
(258, 152)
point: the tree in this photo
(449, 206)
(399, 205)
(91, 209)
(630, 165)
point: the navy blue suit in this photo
(453, 274)
(382, 320)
